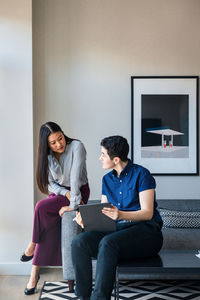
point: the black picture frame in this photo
(164, 124)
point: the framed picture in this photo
(164, 118)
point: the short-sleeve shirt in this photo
(123, 191)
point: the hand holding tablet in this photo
(93, 219)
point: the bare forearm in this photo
(104, 199)
(139, 215)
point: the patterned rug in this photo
(132, 290)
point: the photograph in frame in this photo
(165, 124)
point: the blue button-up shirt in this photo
(123, 191)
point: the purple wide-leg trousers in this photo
(47, 228)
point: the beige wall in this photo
(84, 54)
(16, 149)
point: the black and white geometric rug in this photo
(132, 290)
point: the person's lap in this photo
(141, 239)
(129, 240)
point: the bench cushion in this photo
(180, 219)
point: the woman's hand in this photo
(111, 212)
(63, 209)
(68, 195)
(79, 220)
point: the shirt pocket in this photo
(130, 193)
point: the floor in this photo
(12, 287)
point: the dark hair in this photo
(42, 171)
(116, 146)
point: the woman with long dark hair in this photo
(61, 173)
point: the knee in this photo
(107, 244)
(39, 205)
(79, 241)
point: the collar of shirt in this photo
(124, 172)
(54, 159)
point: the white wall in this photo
(84, 55)
(16, 146)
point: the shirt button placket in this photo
(120, 194)
(120, 198)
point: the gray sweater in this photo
(69, 171)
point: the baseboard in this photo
(20, 268)
(15, 268)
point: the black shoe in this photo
(33, 290)
(25, 258)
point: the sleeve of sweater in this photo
(78, 163)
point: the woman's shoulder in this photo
(50, 156)
(77, 144)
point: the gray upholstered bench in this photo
(177, 238)
(69, 230)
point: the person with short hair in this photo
(130, 188)
(61, 173)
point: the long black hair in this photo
(42, 170)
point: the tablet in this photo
(94, 219)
